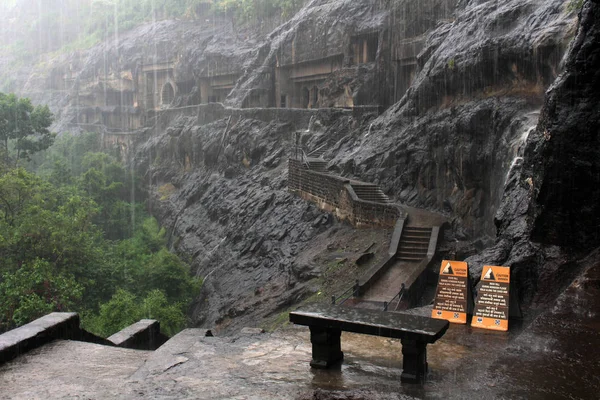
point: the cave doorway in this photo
(314, 94)
(168, 94)
(305, 97)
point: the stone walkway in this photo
(551, 356)
(390, 282)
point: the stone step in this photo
(409, 258)
(380, 201)
(413, 248)
(419, 251)
(370, 192)
(377, 199)
(411, 253)
(414, 240)
(422, 250)
(318, 153)
(362, 186)
(417, 228)
(417, 233)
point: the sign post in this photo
(452, 296)
(492, 307)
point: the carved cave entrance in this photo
(168, 94)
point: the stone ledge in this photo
(143, 335)
(37, 333)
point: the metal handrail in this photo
(317, 149)
(298, 148)
(303, 157)
(400, 294)
(353, 291)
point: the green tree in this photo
(167, 272)
(38, 221)
(124, 309)
(25, 125)
(104, 180)
(124, 272)
(171, 315)
(143, 263)
(34, 290)
(574, 5)
(61, 174)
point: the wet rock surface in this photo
(454, 151)
(551, 355)
(563, 340)
(547, 222)
(221, 190)
(449, 143)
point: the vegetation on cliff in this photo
(68, 25)
(73, 238)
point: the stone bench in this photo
(326, 324)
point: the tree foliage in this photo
(125, 308)
(67, 243)
(68, 25)
(574, 5)
(24, 125)
(256, 10)
(34, 290)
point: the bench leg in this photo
(414, 363)
(326, 347)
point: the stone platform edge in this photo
(143, 335)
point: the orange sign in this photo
(451, 296)
(491, 309)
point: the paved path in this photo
(390, 282)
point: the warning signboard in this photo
(492, 307)
(452, 295)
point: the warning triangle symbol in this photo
(489, 275)
(448, 270)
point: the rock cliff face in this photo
(449, 143)
(232, 214)
(466, 81)
(548, 220)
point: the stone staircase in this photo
(318, 153)
(414, 244)
(411, 242)
(400, 270)
(317, 165)
(370, 192)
